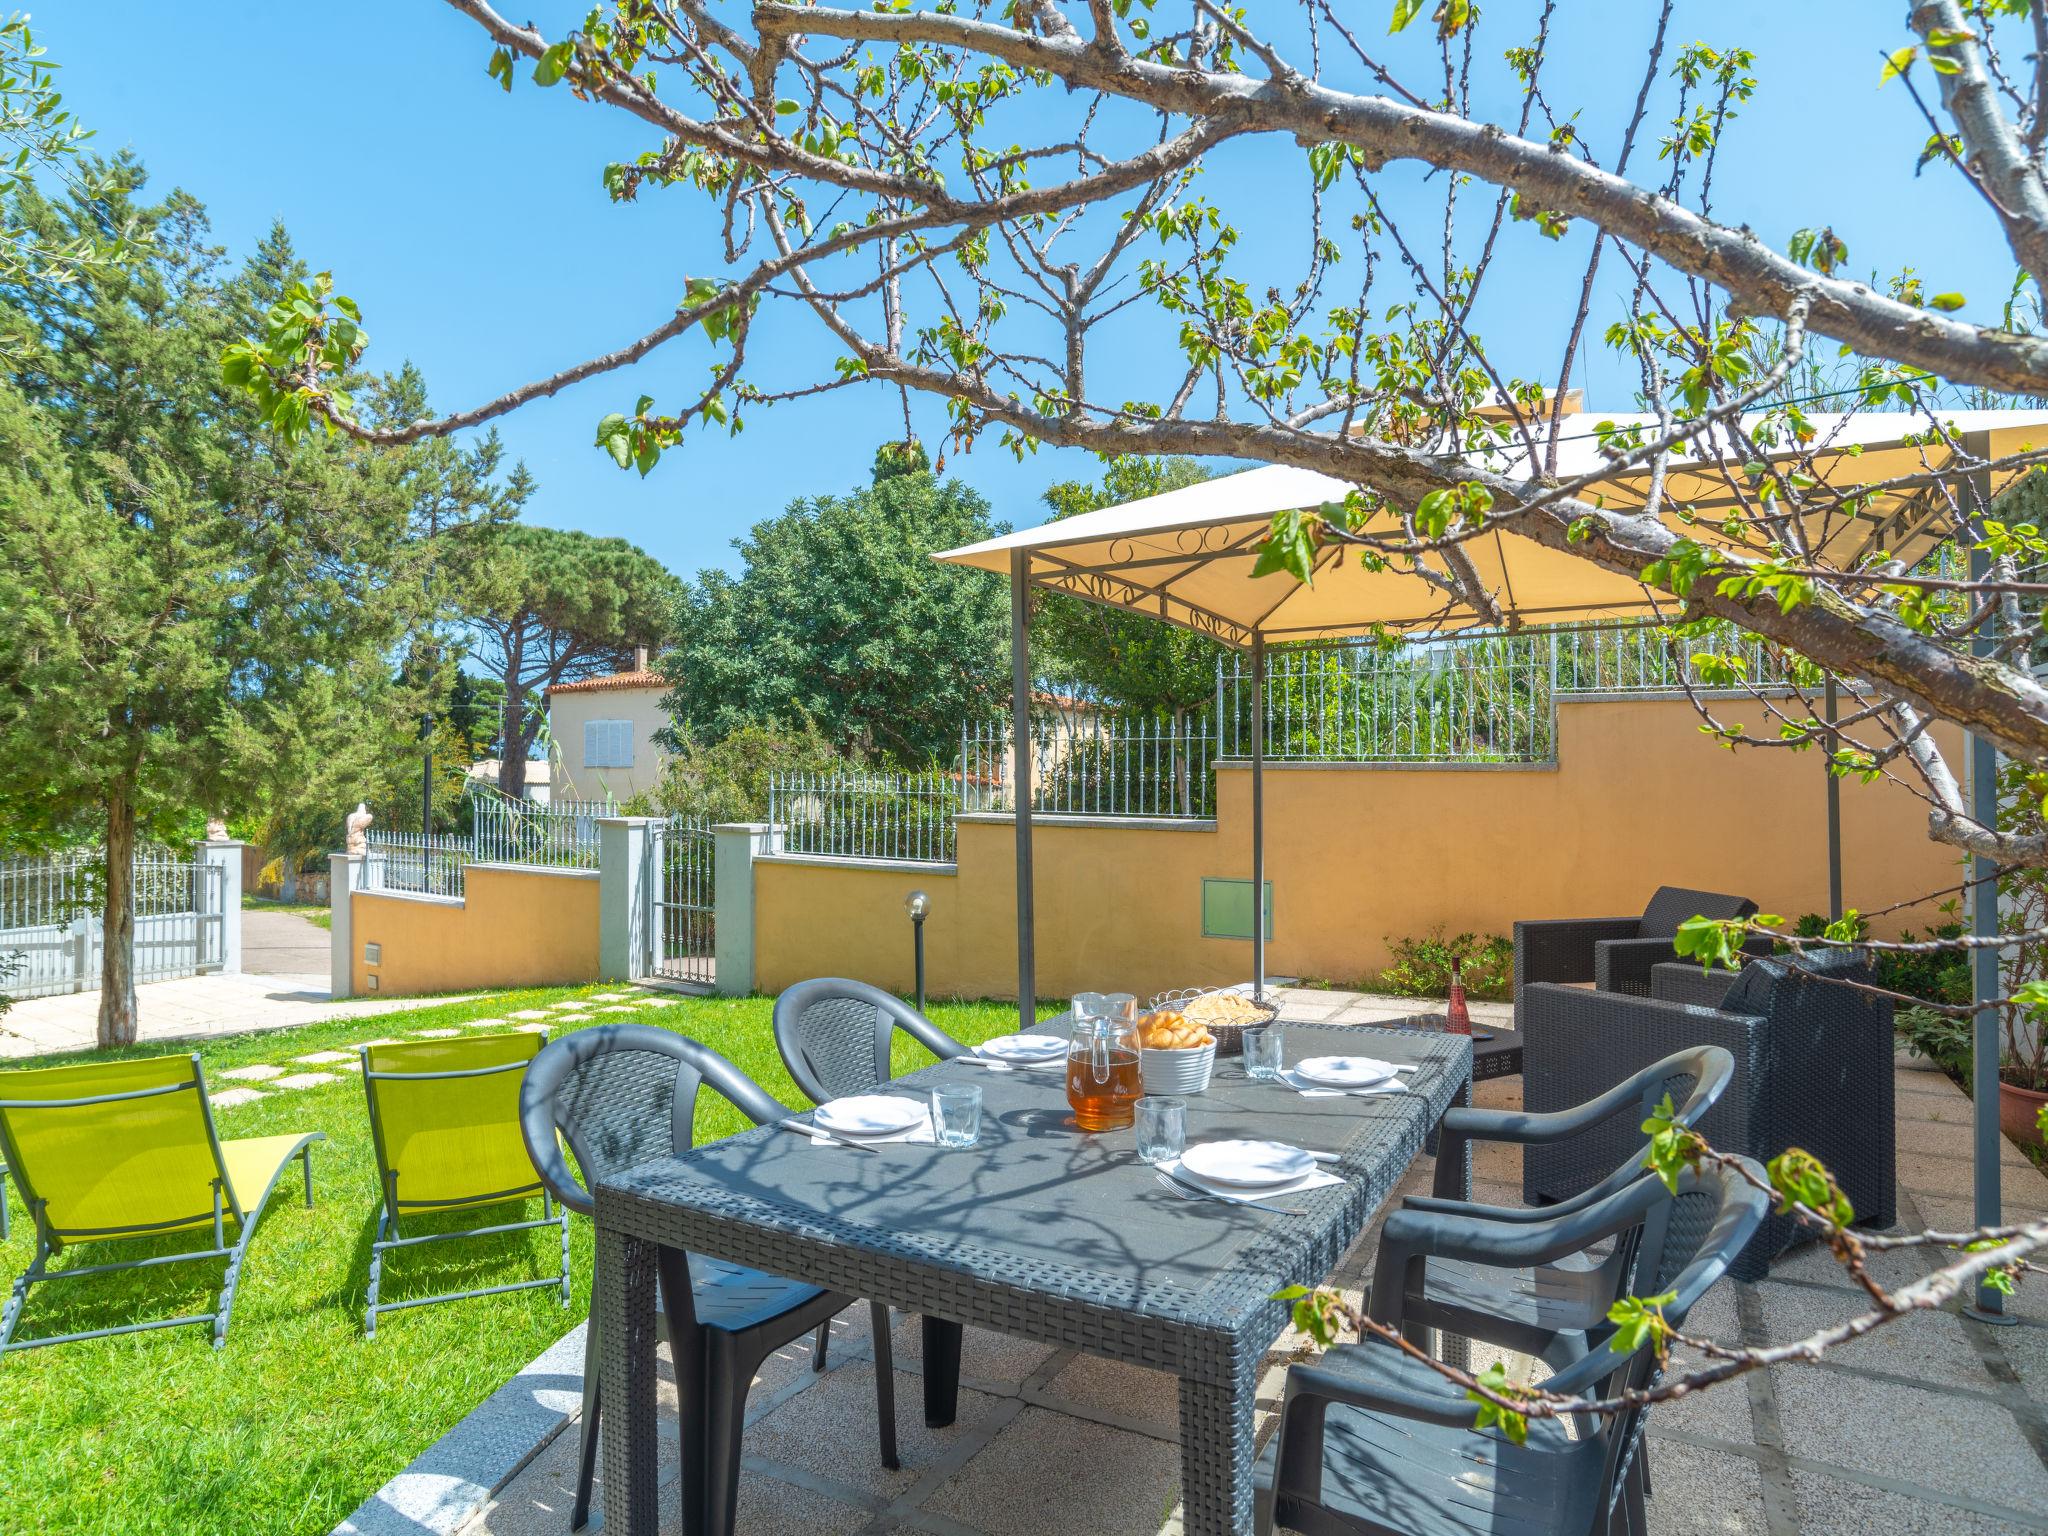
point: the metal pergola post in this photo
(1834, 742)
(1258, 816)
(1990, 1304)
(1020, 778)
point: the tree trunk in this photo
(518, 737)
(288, 880)
(117, 960)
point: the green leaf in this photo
(1405, 11)
(615, 436)
(500, 67)
(787, 108)
(1491, 1415)
(552, 65)
(1897, 63)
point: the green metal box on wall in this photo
(1227, 908)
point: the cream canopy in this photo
(1186, 557)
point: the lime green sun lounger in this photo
(126, 1149)
(444, 1118)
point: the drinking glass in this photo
(1262, 1053)
(956, 1114)
(1162, 1128)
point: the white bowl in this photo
(1177, 1071)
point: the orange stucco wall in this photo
(1358, 854)
(514, 927)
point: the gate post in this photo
(625, 898)
(224, 855)
(344, 875)
(739, 843)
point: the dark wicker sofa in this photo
(1617, 953)
(1813, 1069)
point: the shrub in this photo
(1422, 966)
(1942, 1038)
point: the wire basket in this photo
(1229, 1036)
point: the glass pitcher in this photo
(1103, 1079)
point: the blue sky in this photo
(472, 228)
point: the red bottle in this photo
(1456, 1019)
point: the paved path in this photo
(276, 943)
(1933, 1425)
(190, 1008)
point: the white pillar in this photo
(344, 875)
(625, 899)
(226, 856)
(738, 844)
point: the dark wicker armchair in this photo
(1617, 953)
(1813, 1069)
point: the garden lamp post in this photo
(917, 904)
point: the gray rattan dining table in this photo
(1039, 1231)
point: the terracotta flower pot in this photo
(2019, 1111)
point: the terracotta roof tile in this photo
(641, 679)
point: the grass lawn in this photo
(299, 1418)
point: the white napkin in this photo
(1309, 1090)
(919, 1135)
(1315, 1178)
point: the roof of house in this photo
(639, 679)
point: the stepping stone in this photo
(574, 1002)
(304, 1080)
(256, 1074)
(533, 1029)
(382, 1040)
(435, 1034)
(228, 1098)
(571, 1018)
(608, 997)
(485, 1024)
(621, 1008)
(324, 1058)
(531, 1013)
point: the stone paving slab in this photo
(230, 1098)
(194, 1008)
(259, 1073)
(1933, 1425)
(303, 1080)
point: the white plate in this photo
(869, 1114)
(1023, 1047)
(1344, 1071)
(1247, 1164)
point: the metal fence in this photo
(1086, 763)
(1468, 699)
(405, 861)
(51, 918)
(868, 815)
(559, 835)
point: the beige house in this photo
(603, 732)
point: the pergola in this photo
(1186, 558)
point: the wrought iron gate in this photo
(51, 929)
(683, 854)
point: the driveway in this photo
(282, 944)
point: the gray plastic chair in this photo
(624, 1094)
(835, 1036)
(1372, 1441)
(1479, 1286)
